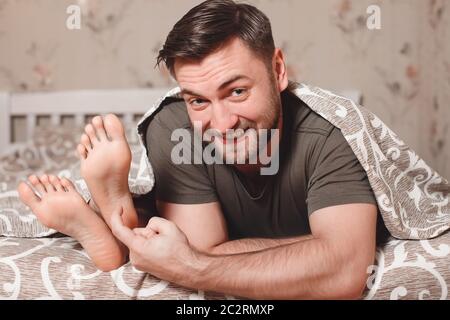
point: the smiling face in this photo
(232, 88)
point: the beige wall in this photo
(403, 69)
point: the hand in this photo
(160, 248)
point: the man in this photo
(307, 231)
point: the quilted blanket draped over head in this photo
(413, 199)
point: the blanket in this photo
(412, 197)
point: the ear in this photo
(280, 70)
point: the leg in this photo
(105, 164)
(62, 208)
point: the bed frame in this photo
(81, 105)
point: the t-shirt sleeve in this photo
(338, 177)
(176, 183)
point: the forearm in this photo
(254, 244)
(303, 270)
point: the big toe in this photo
(27, 195)
(114, 127)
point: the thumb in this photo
(121, 231)
(144, 232)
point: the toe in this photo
(114, 127)
(97, 122)
(46, 182)
(34, 180)
(86, 141)
(67, 184)
(27, 195)
(90, 131)
(54, 180)
(82, 151)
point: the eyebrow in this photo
(221, 87)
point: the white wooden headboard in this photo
(80, 104)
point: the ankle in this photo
(129, 216)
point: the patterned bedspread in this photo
(37, 263)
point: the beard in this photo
(243, 143)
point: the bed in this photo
(37, 263)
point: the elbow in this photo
(352, 273)
(353, 288)
(351, 282)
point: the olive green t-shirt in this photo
(317, 169)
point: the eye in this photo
(197, 102)
(237, 92)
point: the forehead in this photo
(233, 57)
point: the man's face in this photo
(233, 89)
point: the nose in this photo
(222, 119)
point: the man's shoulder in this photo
(305, 120)
(315, 124)
(312, 135)
(171, 115)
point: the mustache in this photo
(241, 126)
(233, 135)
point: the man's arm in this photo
(331, 265)
(253, 244)
(205, 228)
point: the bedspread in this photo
(58, 268)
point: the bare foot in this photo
(105, 164)
(62, 208)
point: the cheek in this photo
(199, 116)
(252, 110)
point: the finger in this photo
(144, 232)
(122, 232)
(160, 225)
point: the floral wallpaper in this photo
(402, 69)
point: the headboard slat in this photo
(31, 125)
(128, 118)
(56, 119)
(5, 122)
(79, 119)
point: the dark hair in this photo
(207, 26)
